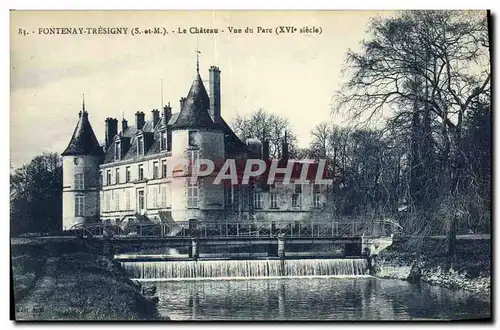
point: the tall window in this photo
(273, 200)
(296, 196)
(107, 201)
(117, 200)
(108, 177)
(169, 195)
(164, 168)
(140, 172)
(79, 182)
(155, 170)
(154, 192)
(118, 150)
(117, 175)
(192, 194)
(228, 195)
(316, 203)
(316, 195)
(127, 199)
(140, 200)
(102, 198)
(236, 196)
(257, 200)
(163, 196)
(163, 140)
(127, 174)
(140, 146)
(193, 157)
(79, 206)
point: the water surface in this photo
(362, 298)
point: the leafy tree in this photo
(36, 196)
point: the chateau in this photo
(134, 176)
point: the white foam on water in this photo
(245, 278)
(245, 269)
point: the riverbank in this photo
(471, 271)
(75, 286)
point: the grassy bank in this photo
(75, 286)
(470, 271)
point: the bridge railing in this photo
(255, 229)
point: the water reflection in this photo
(315, 299)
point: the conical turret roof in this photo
(194, 113)
(83, 141)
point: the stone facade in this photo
(139, 174)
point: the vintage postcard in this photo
(250, 165)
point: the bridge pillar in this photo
(194, 252)
(107, 248)
(281, 247)
(365, 248)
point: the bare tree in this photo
(263, 125)
(422, 70)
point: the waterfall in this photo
(209, 269)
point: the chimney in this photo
(167, 114)
(139, 120)
(214, 74)
(265, 149)
(155, 117)
(181, 101)
(124, 125)
(284, 148)
(111, 128)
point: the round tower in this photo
(195, 135)
(81, 161)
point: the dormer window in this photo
(192, 139)
(140, 146)
(163, 140)
(118, 150)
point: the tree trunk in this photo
(452, 242)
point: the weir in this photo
(242, 251)
(224, 269)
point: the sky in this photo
(292, 75)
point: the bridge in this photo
(241, 240)
(229, 230)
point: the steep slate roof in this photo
(131, 132)
(194, 113)
(232, 142)
(83, 141)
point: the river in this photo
(364, 298)
(314, 289)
